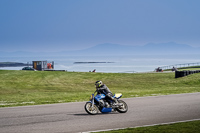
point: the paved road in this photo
(71, 117)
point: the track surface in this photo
(71, 117)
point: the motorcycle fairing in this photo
(99, 97)
(106, 110)
(118, 95)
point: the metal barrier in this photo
(179, 74)
(180, 65)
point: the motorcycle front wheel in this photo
(91, 110)
(123, 108)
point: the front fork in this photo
(92, 100)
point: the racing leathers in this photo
(105, 90)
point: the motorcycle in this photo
(98, 103)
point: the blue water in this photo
(135, 63)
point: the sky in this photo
(63, 25)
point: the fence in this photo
(180, 65)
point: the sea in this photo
(108, 64)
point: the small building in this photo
(43, 65)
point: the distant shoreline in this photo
(13, 64)
(91, 62)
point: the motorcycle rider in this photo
(102, 88)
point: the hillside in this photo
(116, 49)
(148, 49)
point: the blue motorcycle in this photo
(99, 102)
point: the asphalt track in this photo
(72, 118)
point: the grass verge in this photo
(19, 88)
(183, 127)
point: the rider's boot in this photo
(115, 102)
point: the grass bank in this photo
(183, 127)
(19, 88)
(189, 68)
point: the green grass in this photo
(189, 68)
(19, 88)
(183, 127)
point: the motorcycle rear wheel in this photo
(91, 110)
(123, 108)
